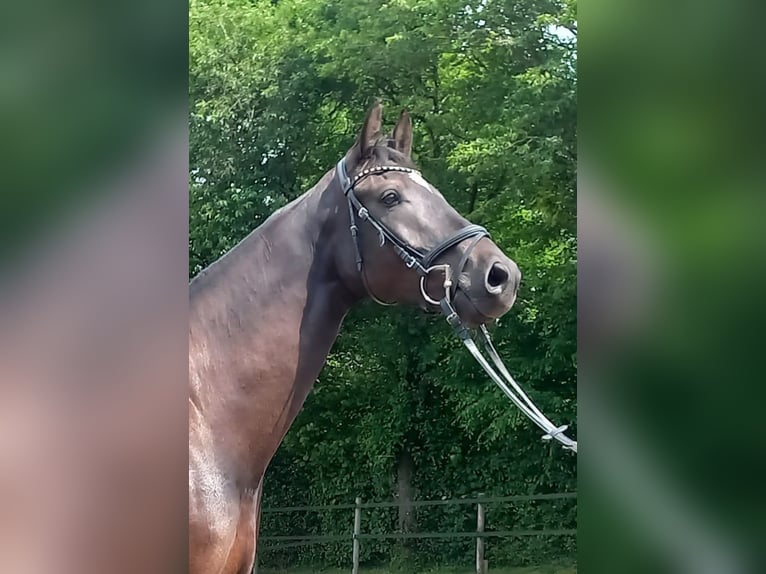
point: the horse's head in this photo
(412, 236)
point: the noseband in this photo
(423, 263)
(413, 258)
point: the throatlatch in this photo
(423, 264)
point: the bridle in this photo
(424, 264)
(413, 258)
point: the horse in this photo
(264, 317)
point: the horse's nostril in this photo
(497, 277)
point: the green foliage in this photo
(278, 90)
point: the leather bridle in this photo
(424, 264)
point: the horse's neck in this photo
(260, 331)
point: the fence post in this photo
(481, 564)
(357, 532)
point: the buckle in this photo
(451, 315)
(555, 432)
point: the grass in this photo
(500, 570)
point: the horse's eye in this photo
(390, 198)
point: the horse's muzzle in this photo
(489, 285)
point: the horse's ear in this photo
(403, 134)
(369, 134)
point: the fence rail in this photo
(398, 535)
(415, 503)
(356, 536)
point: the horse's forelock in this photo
(382, 154)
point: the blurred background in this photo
(670, 286)
(93, 287)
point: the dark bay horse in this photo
(264, 317)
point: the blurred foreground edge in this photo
(93, 379)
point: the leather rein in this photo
(423, 263)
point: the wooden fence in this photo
(356, 536)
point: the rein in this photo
(423, 264)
